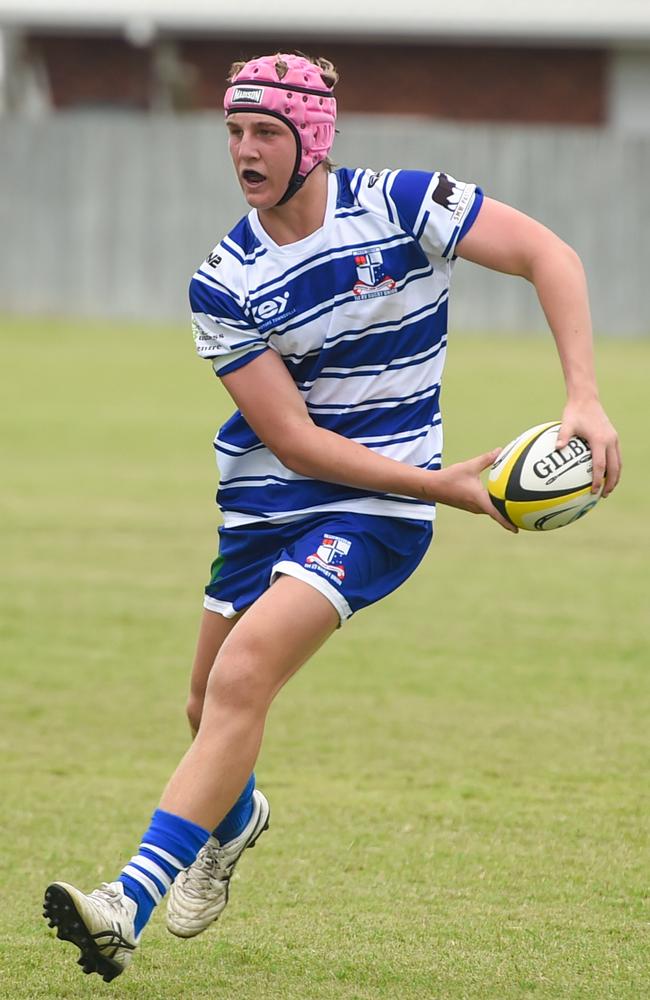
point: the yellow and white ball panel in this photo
(544, 515)
(508, 456)
(538, 487)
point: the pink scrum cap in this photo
(300, 98)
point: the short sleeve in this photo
(224, 332)
(434, 207)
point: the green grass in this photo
(459, 780)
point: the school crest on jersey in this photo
(373, 280)
(329, 557)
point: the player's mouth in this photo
(252, 178)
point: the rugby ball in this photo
(538, 487)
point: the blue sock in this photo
(170, 844)
(234, 822)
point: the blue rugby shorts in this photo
(352, 559)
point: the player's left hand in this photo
(587, 419)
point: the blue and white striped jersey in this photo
(358, 313)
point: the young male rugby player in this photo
(324, 314)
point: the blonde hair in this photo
(328, 71)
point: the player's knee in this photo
(238, 680)
(194, 711)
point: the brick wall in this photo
(453, 82)
(456, 82)
(94, 70)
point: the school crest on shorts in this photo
(329, 557)
(373, 280)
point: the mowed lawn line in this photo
(458, 781)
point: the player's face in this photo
(263, 151)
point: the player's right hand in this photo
(460, 486)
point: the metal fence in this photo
(108, 215)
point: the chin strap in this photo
(295, 184)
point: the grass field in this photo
(459, 780)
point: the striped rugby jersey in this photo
(358, 312)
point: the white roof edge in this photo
(581, 21)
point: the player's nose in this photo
(248, 146)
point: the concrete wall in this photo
(629, 91)
(109, 215)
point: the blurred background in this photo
(114, 176)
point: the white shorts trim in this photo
(220, 607)
(311, 577)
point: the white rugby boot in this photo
(100, 924)
(200, 893)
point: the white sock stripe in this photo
(154, 869)
(165, 855)
(144, 881)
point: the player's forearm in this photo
(321, 454)
(559, 279)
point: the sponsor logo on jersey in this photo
(444, 193)
(452, 196)
(373, 180)
(328, 557)
(208, 342)
(270, 308)
(463, 201)
(247, 95)
(373, 280)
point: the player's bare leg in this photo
(201, 892)
(284, 627)
(214, 629)
(269, 644)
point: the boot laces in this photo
(209, 867)
(107, 893)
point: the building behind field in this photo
(568, 64)
(113, 167)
